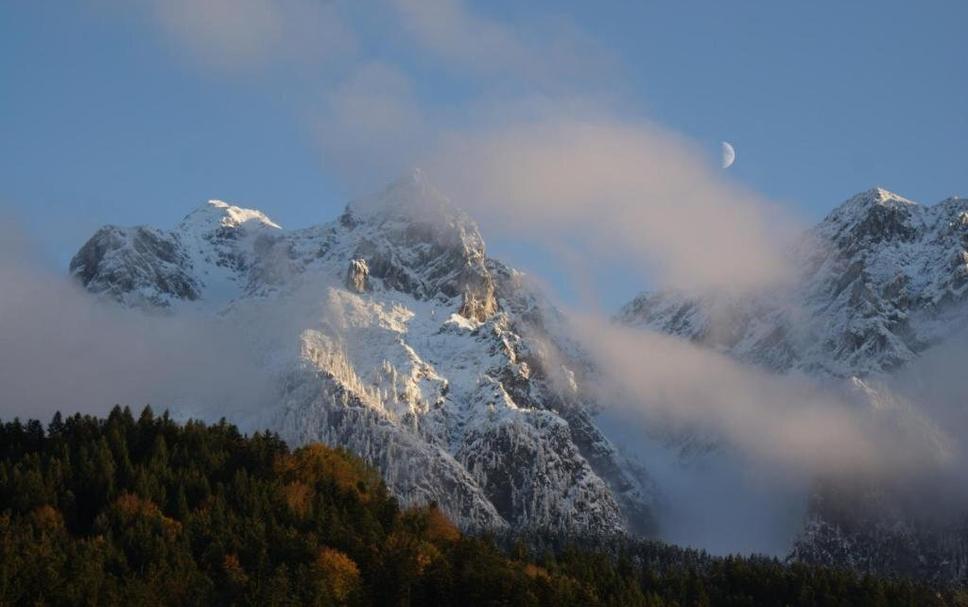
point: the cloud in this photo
(617, 189)
(62, 349)
(547, 53)
(370, 124)
(791, 422)
(239, 35)
(736, 452)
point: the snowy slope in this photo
(391, 333)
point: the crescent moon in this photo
(729, 155)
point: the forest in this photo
(147, 511)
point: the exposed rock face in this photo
(357, 276)
(411, 348)
(140, 262)
(477, 301)
(880, 280)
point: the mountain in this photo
(877, 282)
(874, 285)
(391, 333)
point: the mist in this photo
(62, 349)
(738, 451)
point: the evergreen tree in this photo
(147, 512)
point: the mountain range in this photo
(391, 333)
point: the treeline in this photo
(150, 512)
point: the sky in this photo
(136, 112)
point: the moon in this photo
(729, 155)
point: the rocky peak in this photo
(954, 210)
(871, 217)
(875, 200)
(954, 201)
(415, 240)
(414, 210)
(876, 197)
(879, 280)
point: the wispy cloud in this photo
(789, 422)
(241, 35)
(544, 53)
(370, 124)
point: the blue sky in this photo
(114, 112)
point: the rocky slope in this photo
(391, 333)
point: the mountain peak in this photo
(411, 198)
(877, 211)
(878, 196)
(214, 214)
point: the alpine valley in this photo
(390, 332)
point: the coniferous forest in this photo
(147, 511)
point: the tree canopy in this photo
(147, 511)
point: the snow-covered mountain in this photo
(878, 281)
(391, 333)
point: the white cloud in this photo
(788, 422)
